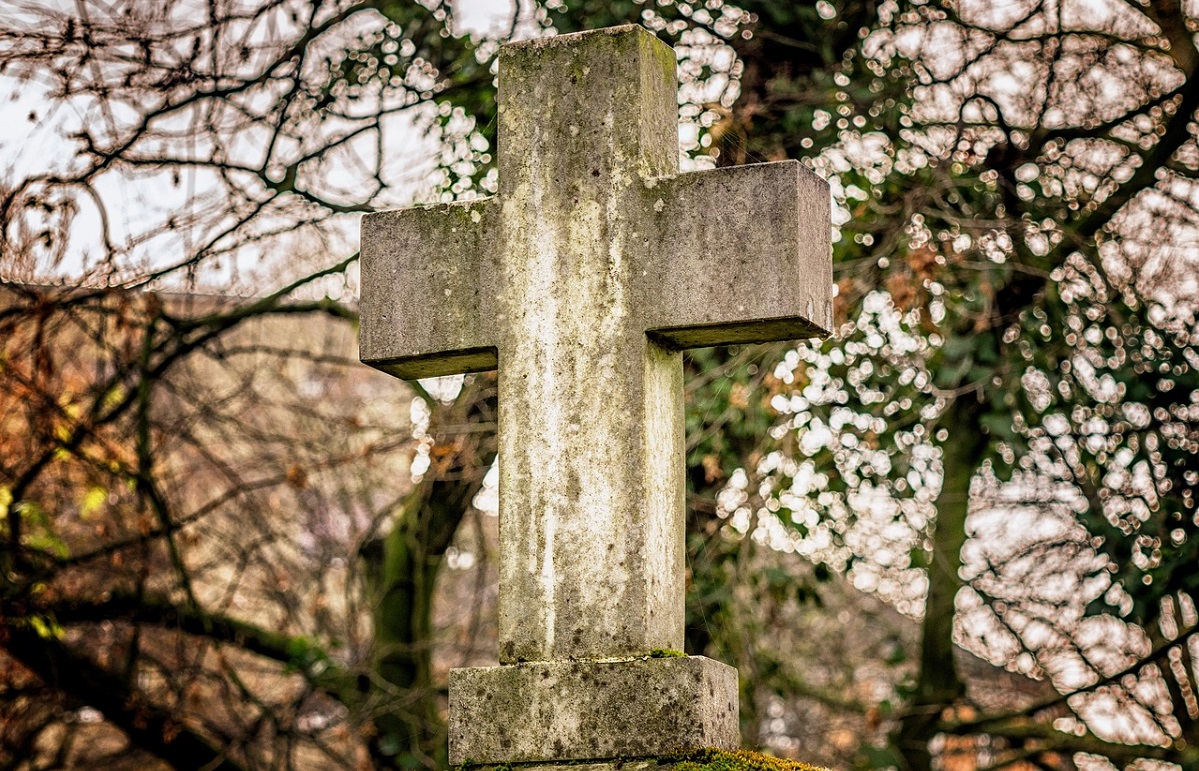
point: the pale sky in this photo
(33, 140)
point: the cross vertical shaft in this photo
(590, 427)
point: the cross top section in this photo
(583, 279)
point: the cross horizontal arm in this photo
(428, 298)
(741, 255)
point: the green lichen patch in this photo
(736, 760)
(666, 653)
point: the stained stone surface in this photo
(583, 280)
(577, 710)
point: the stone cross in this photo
(583, 280)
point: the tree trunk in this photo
(402, 571)
(938, 684)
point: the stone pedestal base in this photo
(553, 711)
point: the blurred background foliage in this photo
(961, 534)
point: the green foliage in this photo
(306, 655)
(43, 626)
(92, 502)
(40, 532)
(666, 653)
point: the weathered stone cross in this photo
(583, 280)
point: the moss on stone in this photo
(666, 653)
(710, 759)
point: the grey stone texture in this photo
(583, 280)
(585, 710)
